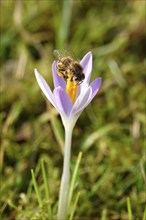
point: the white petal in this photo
(86, 63)
(45, 88)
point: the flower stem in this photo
(65, 180)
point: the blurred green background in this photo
(110, 131)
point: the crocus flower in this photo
(68, 110)
(69, 99)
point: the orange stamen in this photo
(71, 89)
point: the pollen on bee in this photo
(60, 74)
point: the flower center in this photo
(72, 89)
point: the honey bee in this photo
(68, 68)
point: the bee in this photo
(69, 68)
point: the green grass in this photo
(110, 132)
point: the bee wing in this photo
(57, 54)
(72, 54)
(60, 54)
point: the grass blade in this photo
(46, 188)
(73, 180)
(129, 209)
(36, 188)
(74, 206)
(104, 214)
(144, 215)
(65, 23)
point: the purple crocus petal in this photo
(45, 88)
(86, 63)
(58, 81)
(63, 101)
(95, 85)
(81, 101)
